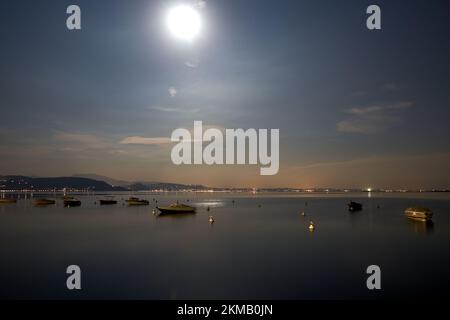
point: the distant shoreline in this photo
(17, 183)
(249, 191)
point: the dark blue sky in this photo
(355, 108)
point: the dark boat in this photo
(72, 203)
(176, 208)
(44, 202)
(419, 213)
(108, 201)
(354, 206)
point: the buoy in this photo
(311, 226)
(303, 214)
(207, 209)
(153, 211)
(211, 219)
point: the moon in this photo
(184, 22)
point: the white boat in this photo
(419, 213)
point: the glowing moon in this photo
(184, 22)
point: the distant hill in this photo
(142, 185)
(164, 186)
(93, 182)
(59, 183)
(111, 181)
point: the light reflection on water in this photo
(259, 247)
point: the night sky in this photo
(355, 108)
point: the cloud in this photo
(85, 145)
(145, 141)
(79, 139)
(138, 140)
(380, 108)
(172, 92)
(372, 119)
(181, 110)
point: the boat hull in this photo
(354, 206)
(170, 210)
(107, 202)
(72, 203)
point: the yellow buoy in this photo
(211, 219)
(311, 226)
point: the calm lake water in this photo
(258, 248)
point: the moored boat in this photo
(419, 213)
(137, 202)
(7, 200)
(107, 202)
(44, 202)
(354, 206)
(72, 203)
(176, 208)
